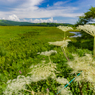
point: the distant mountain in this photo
(12, 23)
(16, 23)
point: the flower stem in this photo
(49, 59)
(66, 52)
(28, 85)
(65, 55)
(87, 87)
(27, 90)
(80, 87)
(64, 35)
(51, 88)
(94, 48)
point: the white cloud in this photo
(13, 17)
(24, 20)
(43, 20)
(35, 12)
(29, 9)
(60, 3)
(3, 18)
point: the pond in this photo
(77, 34)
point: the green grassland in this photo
(12, 32)
(19, 46)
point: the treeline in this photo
(48, 24)
(12, 23)
(15, 23)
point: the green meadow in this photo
(19, 46)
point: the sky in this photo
(39, 11)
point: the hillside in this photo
(12, 23)
(15, 23)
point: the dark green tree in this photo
(88, 16)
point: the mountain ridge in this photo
(17, 23)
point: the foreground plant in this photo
(42, 71)
(90, 29)
(38, 72)
(65, 91)
(64, 29)
(63, 82)
(63, 44)
(86, 64)
(16, 85)
(48, 53)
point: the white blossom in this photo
(63, 43)
(16, 85)
(86, 64)
(47, 53)
(62, 80)
(90, 29)
(65, 28)
(65, 91)
(42, 71)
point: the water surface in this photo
(77, 34)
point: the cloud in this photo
(13, 18)
(60, 3)
(3, 18)
(29, 9)
(43, 20)
(35, 12)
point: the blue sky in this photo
(38, 11)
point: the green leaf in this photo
(50, 93)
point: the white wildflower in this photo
(84, 64)
(65, 91)
(47, 53)
(63, 43)
(16, 85)
(65, 28)
(90, 29)
(62, 80)
(43, 71)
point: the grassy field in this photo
(7, 32)
(19, 46)
(11, 32)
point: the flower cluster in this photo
(16, 85)
(90, 29)
(86, 64)
(65, 91)
(65, 28)
(63, 82)
(42, 71)
(63, 43)
(47, 53)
